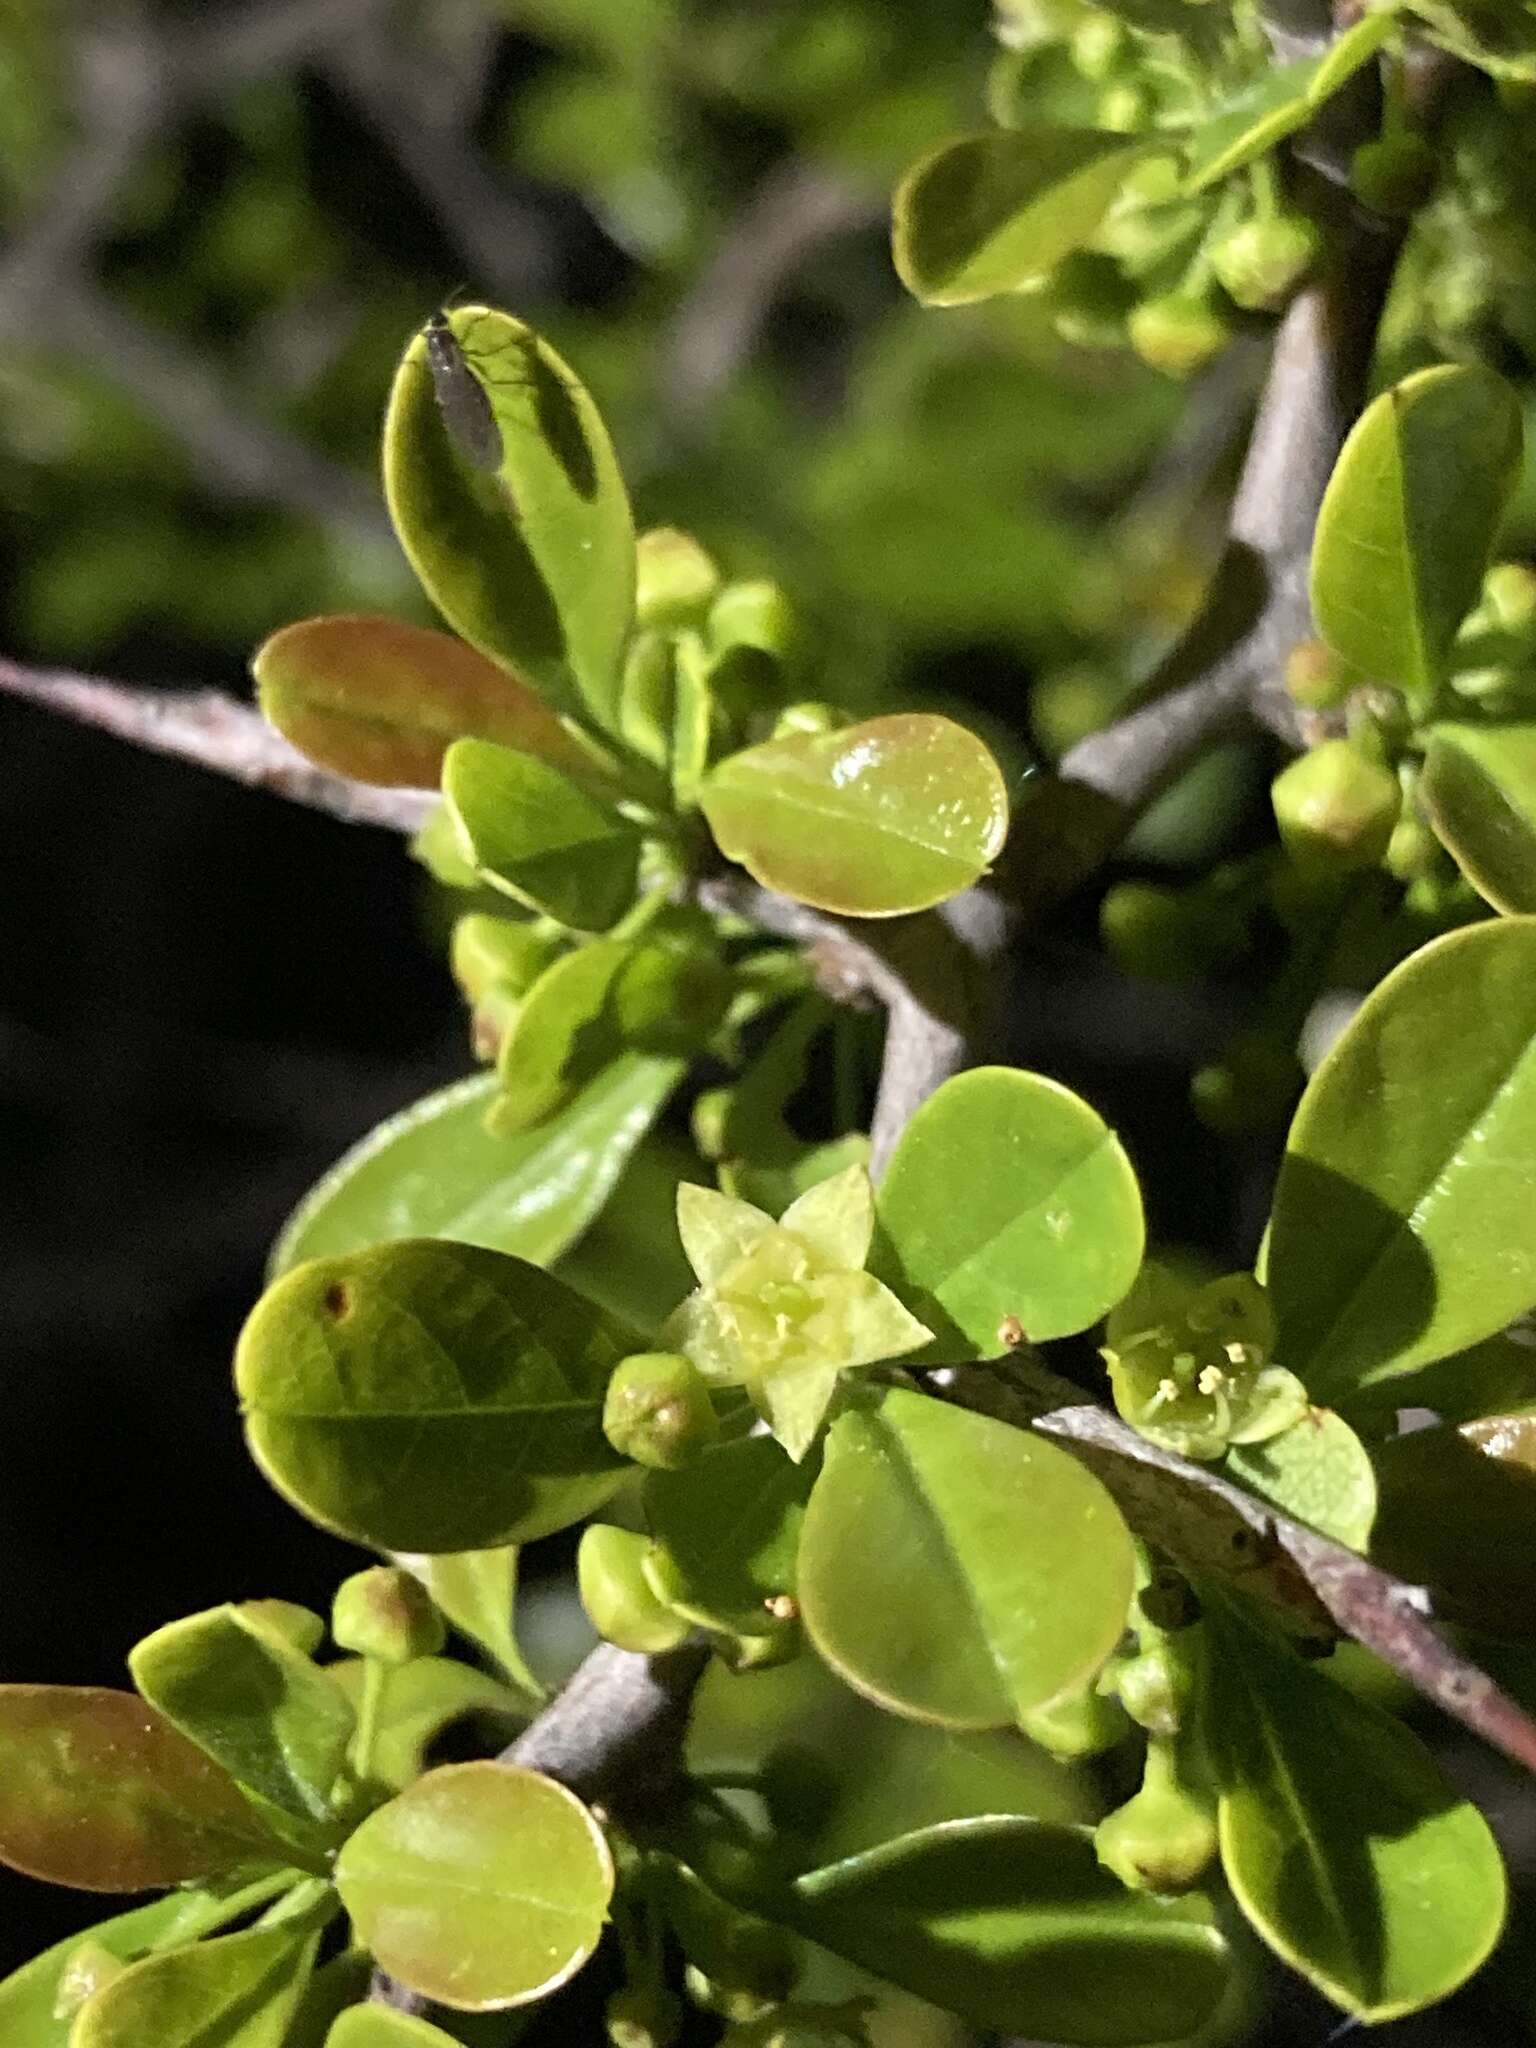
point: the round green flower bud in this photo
(1173, 935)
(1164, 1838)
(658, 1411)
(754, 614)
(808, 717)
(1260, 263)
(1413, 849)
(1097, 47)
(1395, 174)
(735, 2003)
(1124, 109)
(1253, 1086)
(1178, 333)
(300, 1627)
(486, 953)
(1315, 677)
(1336, 808)
(618, 1598)
(1089, 298)
(1069, 703)
(675, 580)
(385, 1614)
(1509, 592)
(643, 2016)
(1154, 1689)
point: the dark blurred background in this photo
(222, 224)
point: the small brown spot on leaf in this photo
(338, 1300)
(1011, 1333)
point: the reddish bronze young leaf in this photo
(97, 1791)
(379, 700)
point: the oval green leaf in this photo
(534, 562)
(1318, 1472)
(873, 820)
(1458, 1515)
(482, 1886)
(529, 831)
(1404, 1225)
(240, 1991)
(564, 1035)
(252, 1702)
(1279, 103)
(379, 700)
(375, 2026)
(1409, 520)
(1478, 790)
(1009, 1196)
(958, 1570)
(1015, 1925)
(1344, 1846)
(434, 1170)
(29, 1995)
(997, 211)
(431, 1396)
(99, 1792)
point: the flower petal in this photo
(716, 1229)
(836, 1218)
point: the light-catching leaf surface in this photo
(532, 832)
(1318, 1471)
(1281, 101)
(99, 1792)
(434, 1170)
(483, 1885)
(872, 820)
(420, 1700)
(1478, 790)
(1409, 519)
(1343, 1844)
(533, 563)
(1015, 1925)
(252, 1702)
(375, 2026)
(380, 700)
(240, 1991)
(958, 1570)
(1009, 1196)
(997, 211)
(430, 1396)
(1404, 1224)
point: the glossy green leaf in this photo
(1458, 1515)
(483, 1885)
(561, 1038)
(1343, 1844)
(727, 1528)
(1409, 520)
(430, 1396)
(997, 211)
(956, 1569)
(375, 2026)
(1317, 1471)
(380, 700)
(434, 1170)
(252, 1702)
(419, 1701)
(98, 1791)
(630, 1262)
(1478, 790)
(533, 563)
(240, 1991)
(1492, 1378)
(1279, 102)
(28, 1997)
(1401, 1228)
(1009, 1196)
(476, 1591)
(530, 831)
(1014, 1924)
(341, 1983)
(872, 820)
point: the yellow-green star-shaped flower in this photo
(782, 1308)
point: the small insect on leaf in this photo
(462, 400)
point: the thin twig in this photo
(1212, 1528)
(212, 730)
